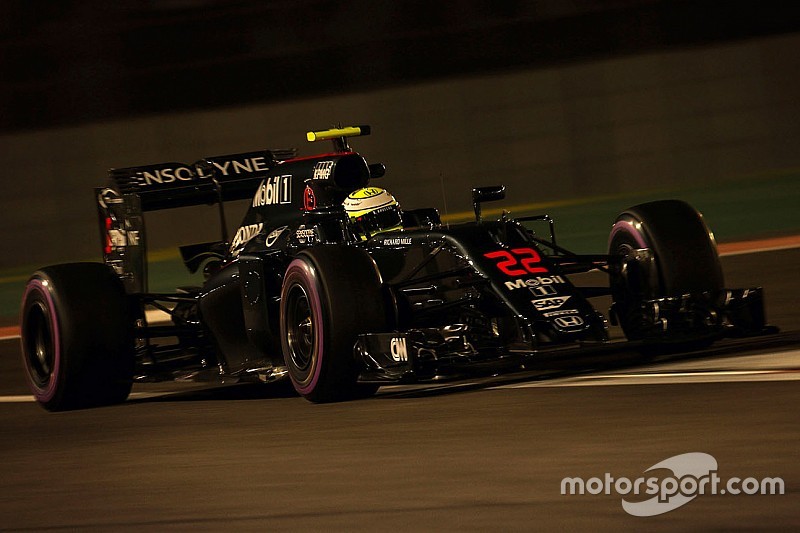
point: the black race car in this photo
(306, 290)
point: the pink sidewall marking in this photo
(304, 267)
(625, 226)
(46, 394)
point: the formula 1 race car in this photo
(329, 283)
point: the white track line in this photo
(604, 380)
(778, 366)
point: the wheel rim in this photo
(300, 329)
(39, 348)
(625, 247)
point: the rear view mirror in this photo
(486, 194)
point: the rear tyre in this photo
(77, 337)
(330, 295)
(684, 258)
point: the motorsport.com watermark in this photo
(693, 474)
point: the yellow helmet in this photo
(373, 210)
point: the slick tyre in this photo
(330, 295)
(77, 337)
(684, 256)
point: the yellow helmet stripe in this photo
(367, 192)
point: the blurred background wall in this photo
(553, 99)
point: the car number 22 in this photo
(517, 261)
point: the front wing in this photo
(428, 354)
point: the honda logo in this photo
(569, 322)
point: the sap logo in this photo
(277, 190)
(398, 350)
(544, 304)
(245, 234)
(164, 175)
(245, 166)
(322, 170)
(533, 282)
(569, 322)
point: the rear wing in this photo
(135, 190)
(170, 185)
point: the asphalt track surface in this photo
(476, 455)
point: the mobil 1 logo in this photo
(274, 190)
(538, 286)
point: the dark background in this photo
(68, 62)
(580, 108)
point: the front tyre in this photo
(330, 295)
(77, 337)
(682, 259)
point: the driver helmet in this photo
(373, 210)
